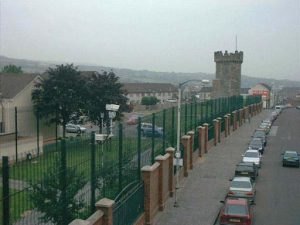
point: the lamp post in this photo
(177, 152)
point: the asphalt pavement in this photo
(207, 184)
(278, 188)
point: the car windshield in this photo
(290, 154)
(244, 168)
(236, 210)
(256, 142)
(240, 184)
(251, 154)
(259, 134)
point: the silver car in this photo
(74, 128)
(242, 187)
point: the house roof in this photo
(149, 87)
(12, 84)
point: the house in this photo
(205, 93)
(16, 91)
(265, 91)
(16, 110)
(162, 91)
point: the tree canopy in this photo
(12, 69)
(149, 100)
(60, 95)
(104, 89)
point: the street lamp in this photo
(177, 152)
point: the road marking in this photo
(273, 131)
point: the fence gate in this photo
(129, 204)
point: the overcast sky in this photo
(158, 35)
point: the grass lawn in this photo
(19, 204)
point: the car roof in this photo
(251, 150)
(290, 152)
(237, 201)
(241, 179)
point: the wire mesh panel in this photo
(129, 204)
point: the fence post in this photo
(38, 133)
(63, 175)
(93, 171)
(152, 138)
(120, 155)
(206, 111)
(164, 130)
(185, 118)
(195, 116)
(173, 127)
(191, 116)
(139, 148)
(16, 133)
(5, 191)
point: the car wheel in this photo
(283, 165)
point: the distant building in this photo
(264, 91)
(162, 91)
(228, 74)
(205, 93)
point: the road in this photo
(278, 188)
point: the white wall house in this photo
(163, 91)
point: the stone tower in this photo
(228, 74)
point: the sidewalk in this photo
(200, 193)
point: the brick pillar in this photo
(201, 139)
(216, 131)
(150, 177)
(191, 134)
(185, 140)
(226, 125)
(234, 125)
(163, 183)
(240, 117)
(229, 123)
(220, 128)
(205, 137)
(106, 206)
(171, 151)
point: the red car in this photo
(236, 211)
(133, 120)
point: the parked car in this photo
(74, 128)
(266, 127)
(298, 107)
(267, 121)
(259, 133)
(246, 169)
(236, 211)
(252, 156)
(132, 120)
(146, 130)
(257, 144)
(290, 158)
(242, 187)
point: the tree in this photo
(12, 69)
(59, 96)
(104, 89)
(149, 100)
(47, 196)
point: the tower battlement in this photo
(236, 57)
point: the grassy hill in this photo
(128, 75)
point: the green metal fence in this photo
(81, 170)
